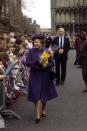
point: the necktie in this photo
(61, 43)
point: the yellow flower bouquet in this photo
(44, 58)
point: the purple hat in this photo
(38, 36)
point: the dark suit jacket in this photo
(66, 47)
(48, 42)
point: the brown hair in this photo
(4, 57)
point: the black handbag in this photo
(52, 75)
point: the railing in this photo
(3, 109)
(69, 8)
(1, 96)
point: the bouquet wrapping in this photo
(44, 58)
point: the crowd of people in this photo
(26, 62)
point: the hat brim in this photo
(38, 36)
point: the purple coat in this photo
(40, 85)
(78, 45)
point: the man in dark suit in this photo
(61, 46)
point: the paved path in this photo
(66, 113)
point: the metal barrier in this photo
(18, 80)
(3, 110)
(2, 125)
(1, 96)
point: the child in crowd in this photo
(22, 59)
(11, 50)
(6, 67)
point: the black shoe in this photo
(84, 91)
(43, 115)
(37, 120)
(75, 63)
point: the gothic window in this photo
(81, 2)
(72, 17)
(58, 3)
(81, 16)
(76, 16)
(67, 17)
(66, 3)
(76, 2)
(62, 3)
(85, 2)
(58, 18)
(72, 3)
(63, 18)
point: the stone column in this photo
(58, 18)
(72, 17)
(53, 15)
(72, 3)
(62, 17)
(67, 3)
(67, 17)
(76, 1)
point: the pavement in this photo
(2, 123)
(68, 112)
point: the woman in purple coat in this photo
(41, 87)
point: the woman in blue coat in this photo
(41, 87)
